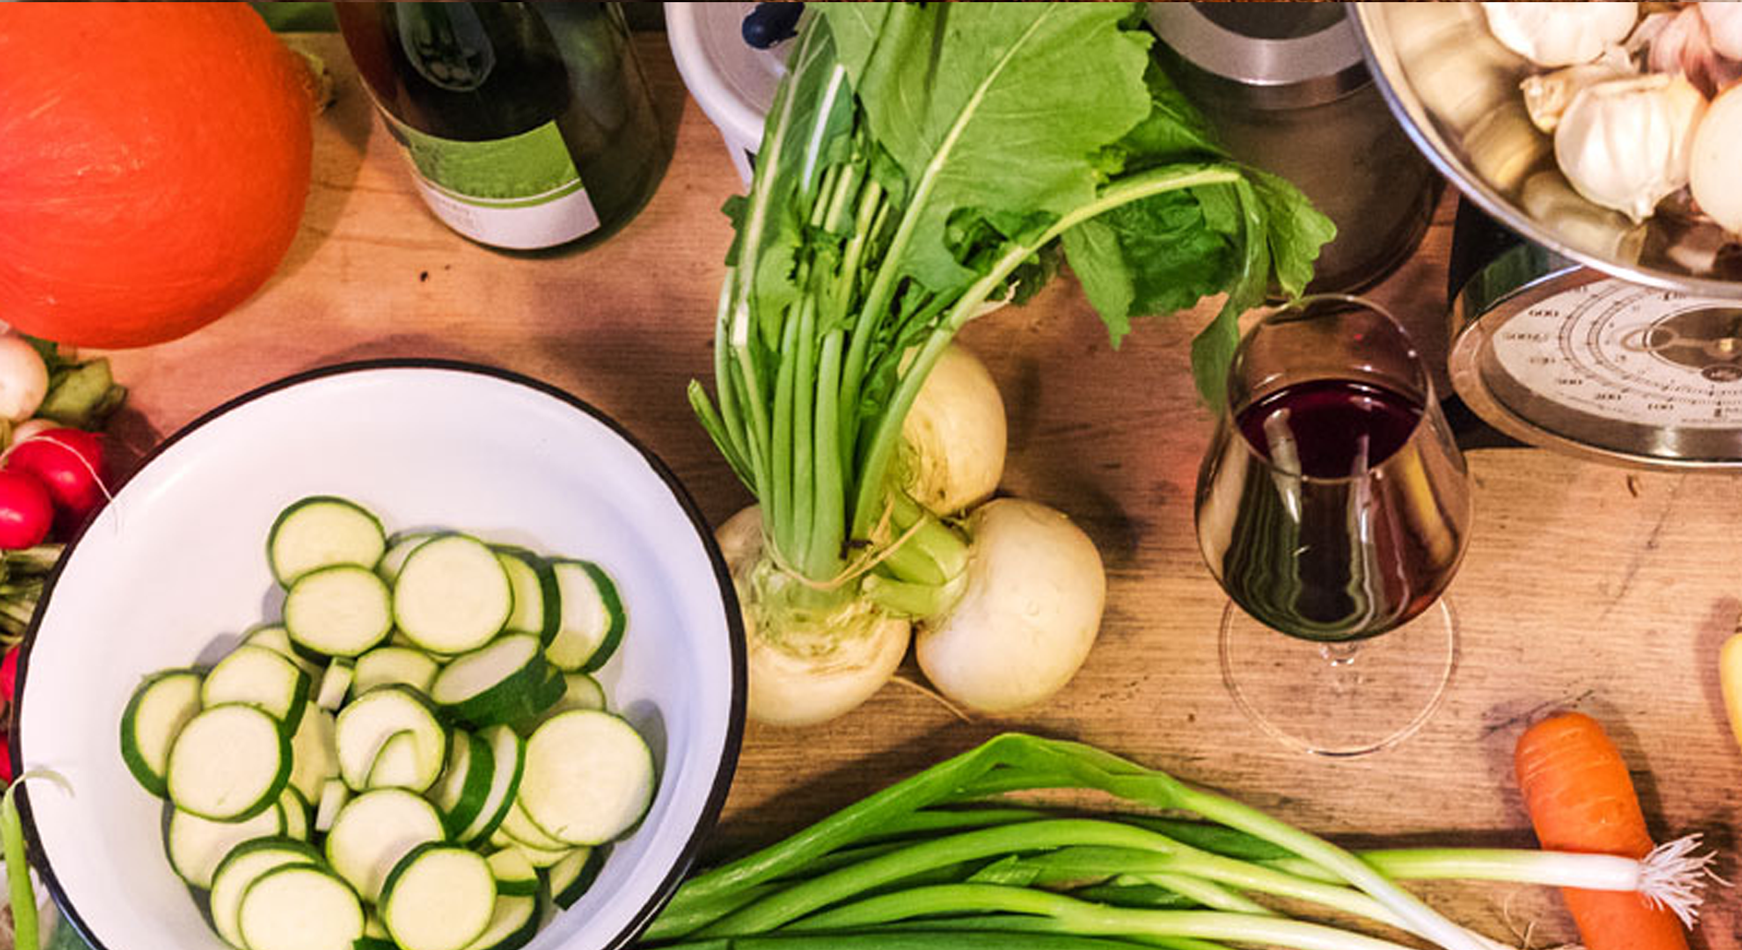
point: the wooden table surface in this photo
(1585, 586)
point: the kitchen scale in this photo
(1558, 355)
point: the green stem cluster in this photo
(901, 862)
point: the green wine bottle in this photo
(526, 125)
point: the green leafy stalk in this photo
(919, 161)
(1070, 915)
(21, 894)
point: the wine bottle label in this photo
(520, 192)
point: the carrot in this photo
(1581, 798)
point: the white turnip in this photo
(1029, 610)
(954, 436)
(811, 658)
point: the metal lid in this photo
(1271, 55)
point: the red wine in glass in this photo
(1333, 506)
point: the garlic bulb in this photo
(1713, 169)
(1625, 144)
(1724, 22)
(1547, 96)
(1560, 34)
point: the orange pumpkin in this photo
(154, 159)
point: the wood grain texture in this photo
(1585, 586)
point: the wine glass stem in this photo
(1341, 656)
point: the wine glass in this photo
(1334, 507)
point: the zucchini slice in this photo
(580, 691)
(242, 867)
(376, 829)
(399, 547)
(396, 765)
(537, 603)
(506, 681)
(196, 846)
(275, 638)
(338, 611)
(512, 926)
(334, 795)
(570, 877)
(314, 753)
(259, 677)
(592, 617)
(336, 684)
(299, 907)
(521, 830)
(539, 857)
(293, 809)
(439, 897)
(160, 707)
(386, 666)
(508, 753)
(229, 763)
(452, 595)
(321, 531)
(589, 777)
(465, 784)
(515, 876)
(367, 724)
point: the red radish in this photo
(9, 676)
(69, 463)
(5, 757)
(26, 511)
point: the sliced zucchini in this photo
(241, 868)
(515, 876)
(398, 549)
(373, 831)
(336, 684)
(259, 677)
(570, 877)
(521, 830)
(373, 927)
(334, 796)
(396, 765)
(439, 897)
(321, 531)
(299, 907)
(314, 753)
(229, 763)
(275, 638)
(580, 691)
(385, 666)
(512, 926)
(196, 846)
(294, 810)
(589, 777)
(338, 611)
(506, 681)
(452, 595)
(367, 723)
(539, 857)
(465, 784)
(592, 617)
(160, 707)
(508, 753)
(537, 605)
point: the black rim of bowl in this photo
(728, 763)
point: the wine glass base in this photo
(1340, 699)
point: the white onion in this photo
(1560, 34)
(955, 434)
(1716, 163)
(804, 669)
(1028, 614)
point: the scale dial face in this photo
(1624, 371)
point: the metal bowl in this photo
(1455, 90)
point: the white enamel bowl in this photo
(174, 568)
